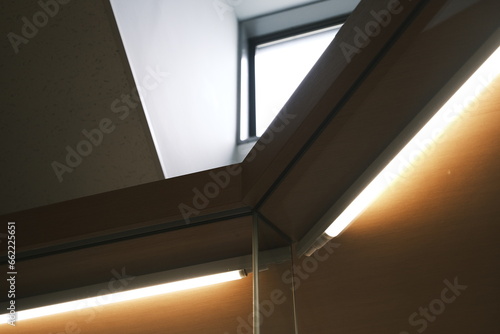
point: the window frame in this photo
(247, 49)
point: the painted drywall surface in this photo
(58, 81)
(192, 115)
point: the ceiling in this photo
(64, 82)
(441, 223)
(291, 177)
(58, 85)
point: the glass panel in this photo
(280, 67)
(275, 291)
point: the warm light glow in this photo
(428, 136)
(126, 295)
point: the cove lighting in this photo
(463, 98)
(126, 295)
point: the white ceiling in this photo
(247, 9)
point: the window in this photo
(279, 67)
(273, 64)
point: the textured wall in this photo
(64, 76)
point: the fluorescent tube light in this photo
(449, 112)
(126, 295)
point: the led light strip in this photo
(126, 295)
(463, 97)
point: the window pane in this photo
(280, 67)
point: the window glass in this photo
(280, 66)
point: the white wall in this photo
(192, 114)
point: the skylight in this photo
(280, 66)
